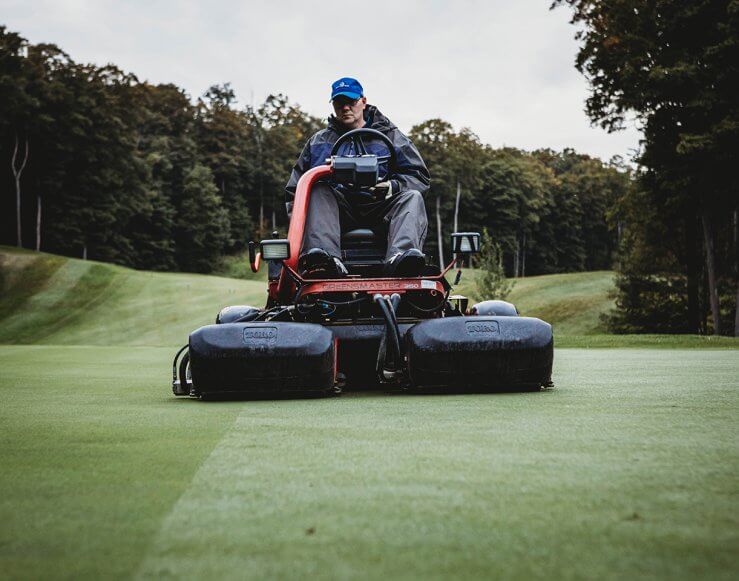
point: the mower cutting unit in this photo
(316, 337)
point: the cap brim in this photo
(349, 94)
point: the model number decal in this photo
(260, 335)
(482, 327)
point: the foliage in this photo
(203, 223)
(491, 281)
(673, 66)
(548, 210)
(118, 168)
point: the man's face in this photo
(350, 113)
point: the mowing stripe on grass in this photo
(630, 467)
(94, 452)
(65, 298)
(22, 276)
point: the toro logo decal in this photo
(482, 327)
(260, 335)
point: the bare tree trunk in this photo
(274, 219)
(261, 217)
(711, 270)
(258, 138)
(693, 270)
(456, 207)
(84, 252)
(439, 235)
(38, 223)
(17, 172)
(523, 256)
(515, 258)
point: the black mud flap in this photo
(480, 354)
(263, 360)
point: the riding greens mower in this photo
(316, 337)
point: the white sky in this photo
(504, 68)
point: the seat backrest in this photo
(363, 246)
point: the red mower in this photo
(316, 337)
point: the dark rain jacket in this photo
(408, 173)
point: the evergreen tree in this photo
(203, 227)
(491, 281)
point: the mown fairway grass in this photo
(629, 467)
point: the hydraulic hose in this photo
(183, 369)
(174, 363)
(391, 337)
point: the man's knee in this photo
(412, 201)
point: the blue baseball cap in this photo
(348, 87)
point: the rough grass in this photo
(572, 302)
(237, 266)
(627, 469)
(53, 300)
(49, 299)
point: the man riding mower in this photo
(392, 209)
(351, 302)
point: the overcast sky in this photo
(504, 68)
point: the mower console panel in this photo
(361, 171)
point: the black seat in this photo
(363, 247)
(360, 236)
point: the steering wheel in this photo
(356, 135)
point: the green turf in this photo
(628, 468)
(646, 341)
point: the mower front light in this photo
(466, 242)
(275, 249)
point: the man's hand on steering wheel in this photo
(356, 137)
(383, 190)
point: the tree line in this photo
(674, 67)
(106, 167)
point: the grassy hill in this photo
(573, 302)
(56, 300)
(49, 299)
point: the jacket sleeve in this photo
(410, 172)
(301, 166)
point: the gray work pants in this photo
(402, 218)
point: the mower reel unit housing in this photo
(316, 337)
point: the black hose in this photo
(183, 369)
(250, 316)
(342, 303)
(391, 329)
(174, 362)
(381, 355)
(432, 309)
(392, 305)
